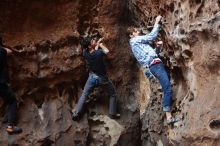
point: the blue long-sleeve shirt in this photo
(141, 49)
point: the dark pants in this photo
(9, 98)
(92, 82)
(160, 73)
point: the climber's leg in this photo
(8, 96)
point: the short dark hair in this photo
(132, 29)
(86, 42)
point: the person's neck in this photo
(133, 36)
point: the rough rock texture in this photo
(192, 54)
(49, 73)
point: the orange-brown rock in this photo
(49, 73)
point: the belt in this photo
(155, 61)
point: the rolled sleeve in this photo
(146, 38)
(153, 34)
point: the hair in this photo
(85, 42)
(130, 30)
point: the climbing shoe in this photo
(75, 116)
(13, 130)
(173, 120)
(116, 116)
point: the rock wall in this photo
(192, 55)
(49, 73)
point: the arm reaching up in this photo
(104, 48)
(151, 36)
(98, 43)
(10, 50)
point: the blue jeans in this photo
(160, 73)
(94, 81)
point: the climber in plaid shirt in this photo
(151, 63)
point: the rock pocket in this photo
(215, 125)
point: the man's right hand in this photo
(98, 43)
(12, 51)
(100, 40)
(158, 19)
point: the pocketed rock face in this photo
(49, 73)
(192, 54)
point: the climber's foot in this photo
(172, 120)
(13, 130)
(75, 116)
(116, 116)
